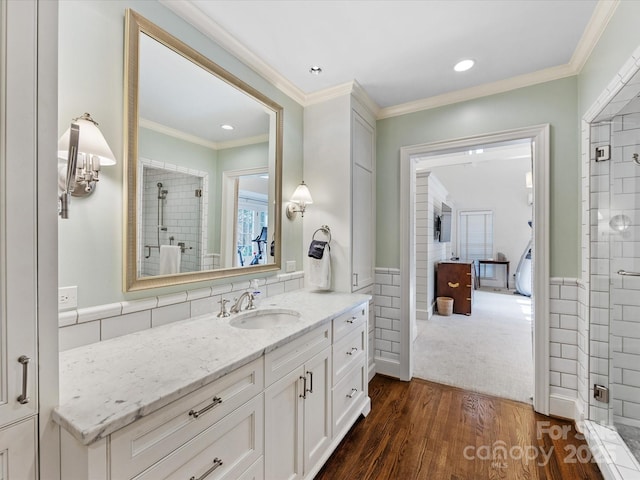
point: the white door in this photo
(18, 395)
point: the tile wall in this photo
(387, 314)
(184, 214)
(429, 197)
(563, 335)
(94, 324)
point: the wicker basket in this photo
(445, 305)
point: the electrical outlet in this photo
(290, 266)
(67, 298)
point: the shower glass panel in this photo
(172, 214)
(618, 217)
(624, 225)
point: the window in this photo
(476, 238)
(252, 217)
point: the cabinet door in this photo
(283, 405)
(317, 408)
(18, 211)
(18, 451)
(363, 203)
(362, 224)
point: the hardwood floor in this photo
(425, 430)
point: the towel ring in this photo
(324, 229)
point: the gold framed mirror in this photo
(203, 166)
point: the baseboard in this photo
(563, 407)
(387, 367)
(422, 314)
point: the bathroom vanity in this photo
(203, 398)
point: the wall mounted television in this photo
(443, 224)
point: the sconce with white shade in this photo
(299, 201)
(87, 152)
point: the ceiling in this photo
(402, 52)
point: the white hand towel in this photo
(320, 271)
(169, 259)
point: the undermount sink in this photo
(256, 319)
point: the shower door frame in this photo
(606, 445)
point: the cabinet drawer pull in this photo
(24, 397)
(353, 349)
(196, 414)
(304, 387)
(216, 463)
(454, 285)
(310, 373)
(351, 320)
(353, 392)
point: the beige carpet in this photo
(487, 352)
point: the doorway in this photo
(473, 216)
(411, 158)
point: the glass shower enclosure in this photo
(614, 263)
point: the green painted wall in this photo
(91, 79)
(553, 102)
(614, 48)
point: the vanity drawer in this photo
(347, 398)
(348, 352)
(281, 361)
(349, 320)
(154, 436)
(232, 446)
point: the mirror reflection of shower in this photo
(173, 212)
(162, 195)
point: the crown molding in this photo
(541, 76)
(194, 16)
(243, 142)
(602, 15)
(592, 33)
(187, 137)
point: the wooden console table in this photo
(494, 262)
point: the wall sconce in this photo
(86, 151)
(299, 201)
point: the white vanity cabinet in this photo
(339, 166)
(278, 416)
(298, 418)
(219, 427)
(298, 404)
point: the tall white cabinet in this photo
(28, 107)
(18, 352)
(339, 167)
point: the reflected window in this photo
(251, 230)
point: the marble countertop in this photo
(108, 385)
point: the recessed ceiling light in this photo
(226, 127)
(464, 65)
(315, 70)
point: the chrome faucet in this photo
(238, 305)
